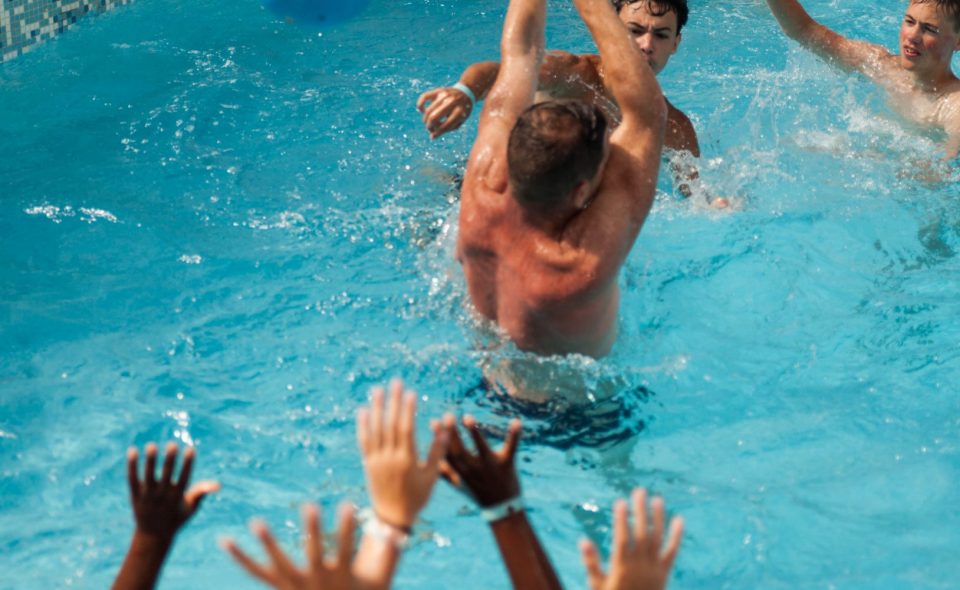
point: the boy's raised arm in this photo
(845, 53)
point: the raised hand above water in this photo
(160, 508)
(320, 573)
(638, 560)
(399, 483)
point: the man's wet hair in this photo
(662, 7)
(553, 147)
(951, 8)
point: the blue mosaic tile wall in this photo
(24, 24)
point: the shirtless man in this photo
(654, 25)
(919, 82)
(551, 201)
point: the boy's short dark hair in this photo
(662, 7)
(949, 7)
(553, 147)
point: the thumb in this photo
(437, 450)
(198, 492)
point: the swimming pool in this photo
(223, 230)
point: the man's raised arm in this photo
(521, 52)
(834, 48)
(626, 71)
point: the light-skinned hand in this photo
(488, 477)
(637, 561)
(320, 574)
(444, 109)
(161, 507)
(399, 483)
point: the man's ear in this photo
(676, 42)
(580, 197)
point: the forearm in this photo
(560, 74)
(143, 562)
(523, 31)
(625, 70)
(793, 19)
(376, 562)
(526, 562)
(479, 77)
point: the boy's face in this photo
(656, 36)
(927, 38)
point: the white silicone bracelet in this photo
(466, 90)
(502, 510)
(382, 531)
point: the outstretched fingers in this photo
(591, 561)
(313, 537)
(438, 449)
(450, 474)
(253, 568)
(197, 493)
(621, 533)
(406, 433)
(391, 429)
(513, 440)
(169, 461)
(658, 519)
(150, 469)
(345, 535)
(133, 479)
(455, 446)
(375, 431)
(483, 448)
(186, 470)
(639, 497)
(280, 560)
(363, 430)
(673, 543)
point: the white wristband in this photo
(382, 531)
(466, 90)
(502, 510)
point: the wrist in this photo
(467, 91)
(145, 542)
(503, 510)
(387, 533)
(404, 525)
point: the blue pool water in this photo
(223, 230)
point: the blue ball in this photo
(316, 12)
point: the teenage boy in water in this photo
(654, 26)
(918, 81)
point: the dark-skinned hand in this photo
(161, 507)
(489, 477)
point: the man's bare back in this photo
(548, 295)
(544, 265)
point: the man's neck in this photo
(552, 224)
